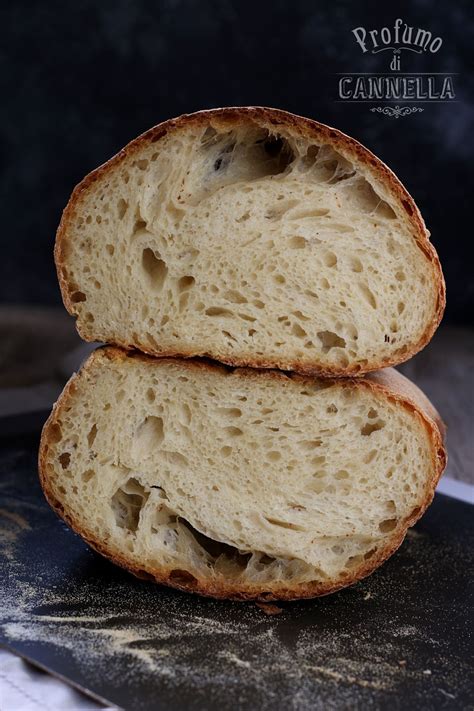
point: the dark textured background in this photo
(79, 79)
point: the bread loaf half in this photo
(255, 237)
(239, 483)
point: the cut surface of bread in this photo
(254, 237)
(243, 484)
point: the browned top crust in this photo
(271, 119)
(388, 383)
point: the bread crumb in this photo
(269, 609)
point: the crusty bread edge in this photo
(271, 119)
(388, 384)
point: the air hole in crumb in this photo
(175, 458)
(55, 433)
(139, 226)
(273, 455)
(155, 269)
(370, 456)
(150, 395)
(230, 336)
(368, 295)
(122, 207)
(217, 311)
(150, 433)
(234, 297)
(384, 210)
(330, 259)
(311, 155)
(127, 503)
(297, 242)
(186, 282)
(407, 207)
(64, 460)
(233, 431)
(280, 153)
(298, 331)
(224, 558)
(208, 135)
(78, 296)
(92, 435)
(309, 444)
(354, 560)
(182, 577)
(229, 411)
(110, 249)
(186, 414)
(226, 451)
(284, 524)
(388, 525)
(329, 340)
(183, 301)
(300, 315)
(247, 317)
(88, 475)
(370, 427)
(356, 265)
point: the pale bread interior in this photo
(253, 245)
(239, 478)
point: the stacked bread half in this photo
(237, 261)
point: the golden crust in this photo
(271, 119)
(387, 384)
